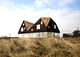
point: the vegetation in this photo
(39, 47)
(76, 33)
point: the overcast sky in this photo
(66, 13)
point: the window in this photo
(23, 24)
(38, 26)
(41, 22)
(54, 26)
(48, 26)
(31, 29)
(22, 29)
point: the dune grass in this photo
(39, 47)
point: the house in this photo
(44, 27)
(66, 35)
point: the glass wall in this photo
(57, 34)
(52, 34)
(40, 34)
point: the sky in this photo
(66, 14)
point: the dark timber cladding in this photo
(44, 24)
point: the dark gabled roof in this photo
(45, 20)
(27, 24)
(46, 24)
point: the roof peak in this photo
(46, 17)
(45, 20)
(28, 24)
(27, 21)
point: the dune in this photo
(39, 47)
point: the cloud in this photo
(41, 3)
(10, 20)
(14, 18)
(11, 16)
(71, 21)
(62, 3)
(52, 3)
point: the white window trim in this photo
(54, 26)
(41, 22)
(31, 29)
(22, 29)
(38, 26)
(23, 24)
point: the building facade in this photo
(44, 27)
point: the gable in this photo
(28, 24)
(52, 27)
(39, 26)
(45, 20)
(25, 26)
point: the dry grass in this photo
(39, 47)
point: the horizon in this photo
(66, 14)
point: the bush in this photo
(76, 33)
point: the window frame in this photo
(41, 22)
(38, 26)
(31, 29)
(22, 29)
(54, 26)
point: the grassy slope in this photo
(39, 47)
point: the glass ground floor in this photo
(40, 35)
